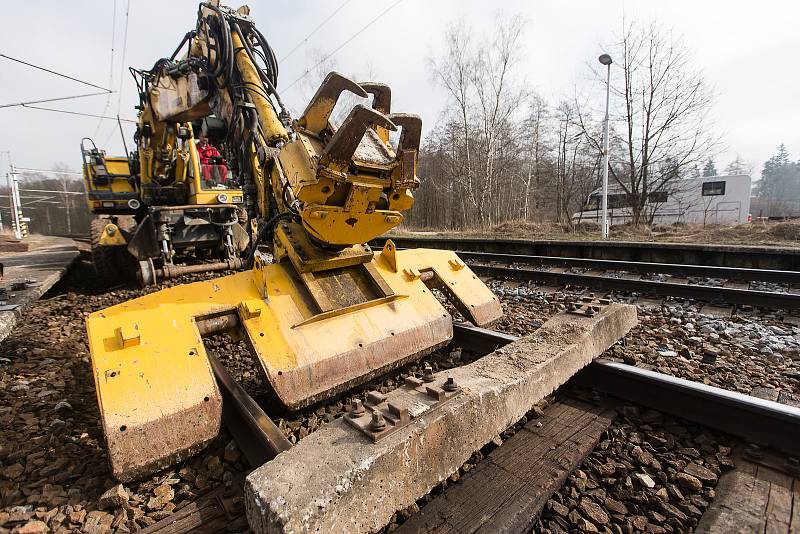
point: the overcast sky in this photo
(746, 50)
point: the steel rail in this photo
(729, 295)
(681, 269)
(255, 433)
(756, 420)
(745, 256)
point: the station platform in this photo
(29, 275)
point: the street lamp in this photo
(605, 59)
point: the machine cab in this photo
(214, 180)
(110, 186)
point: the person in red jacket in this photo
(213, 167)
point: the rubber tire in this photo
(104, 258)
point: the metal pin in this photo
(356, 408)
(427, 373)
(450, 384)
(378, 422)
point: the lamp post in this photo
(605, 59)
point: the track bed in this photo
(53, 461)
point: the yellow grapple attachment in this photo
(315, 335)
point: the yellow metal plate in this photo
(158, 398)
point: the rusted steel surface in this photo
(382, 414)
(255, 433)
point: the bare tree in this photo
(536, 150)
(478, 75)
(663, 107)
(498, 99)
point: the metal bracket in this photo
(381, 415)
(588, 306)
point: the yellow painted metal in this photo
(112, 236)
(270, 123)
(340, 208)
(293, 242)
(151, 372)
(341, 226)
(118, 173)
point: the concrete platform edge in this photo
(9, 319)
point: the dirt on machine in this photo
(320, 310)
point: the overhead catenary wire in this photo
(345, 43)
(56, 73)
(27, 103)
(315, 30)
(122, 66)
(111, 65)
(51, 171)
(124, 52)
(68, 112)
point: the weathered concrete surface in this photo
(336, 480)
(46, 263)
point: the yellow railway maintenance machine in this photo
(161, 207)
(320, 310)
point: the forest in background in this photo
(500, 152)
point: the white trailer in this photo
(700, 200)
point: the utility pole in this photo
(16, 203)
(605, 59)
(66, 204)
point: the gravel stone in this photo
(593, 511)
(688, 482)
(700, 472)
(113, 498)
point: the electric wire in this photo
(110, 67)
(359, 32)
(124, 51)
(28, 102)
(315, 30)
(77, 113)
(56, 73)
(122, 67)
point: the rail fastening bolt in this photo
(427, 373)
(378, 422)
(590, 311)
(450, 384)
(356, 408)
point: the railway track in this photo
(749, 257)
(215, 510)
(758, 420)
(604, 274)
(673, 269)
(712, 294)
(723, 263)
(772, 425)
